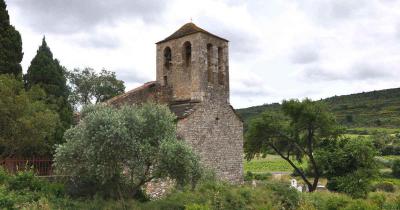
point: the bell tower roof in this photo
(187, 29)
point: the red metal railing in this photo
(41, 166)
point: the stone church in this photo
(193, 80)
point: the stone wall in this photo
(215, 133)
(192, 82)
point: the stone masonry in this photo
(193, 80)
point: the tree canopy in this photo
(122, 149)
(348, 164)
(295, 132)
(10, 45)
(90, 87)
(47, 73)
(27, 124)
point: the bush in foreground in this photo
(114, 152)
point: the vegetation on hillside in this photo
(380, 109)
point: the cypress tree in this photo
(10, 44)
(47, 72)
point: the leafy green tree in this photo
(348, 164)
(47, 73)
(27, 124)
(89, 86)
(10, 44)
(120, 150)
(294, 133)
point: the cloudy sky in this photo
(279, 49)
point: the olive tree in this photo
(120, 150)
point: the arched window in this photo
(187, 53)
(167, 57)
(209, 63)
(220, 66)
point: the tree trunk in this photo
(311, 187)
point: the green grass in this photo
(271, 163)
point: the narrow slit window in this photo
(220, 66)
(187, 53)
(209, 63)
(167, 57)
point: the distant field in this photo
(271, 163)
(274, 163)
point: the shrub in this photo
(54, 189)
(249, 176)
(3, 176)
(114, 152)
(349, 165)
(356, 184)
(384, 186)
(219, 195)
(383, 163)
(326, 200)
(25, 180)
(7, 200)
(391, 150)
(197, 207)
(361, 205)
(378, 198)
(396, 168)
(286, 195)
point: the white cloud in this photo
(278, 49)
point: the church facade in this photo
(192, 78)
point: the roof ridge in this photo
(187, 29)
(130, 91)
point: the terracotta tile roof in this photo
(187, 29)
(142, 93)
(183, 109)
(123, 96)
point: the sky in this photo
(279, 49)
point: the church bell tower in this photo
(194, 64)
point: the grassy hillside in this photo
(376, 109)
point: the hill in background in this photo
(375, 109)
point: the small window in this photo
(209, 63)
(220, 66)
(187, 53)
(167, 57)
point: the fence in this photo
(41, 166)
